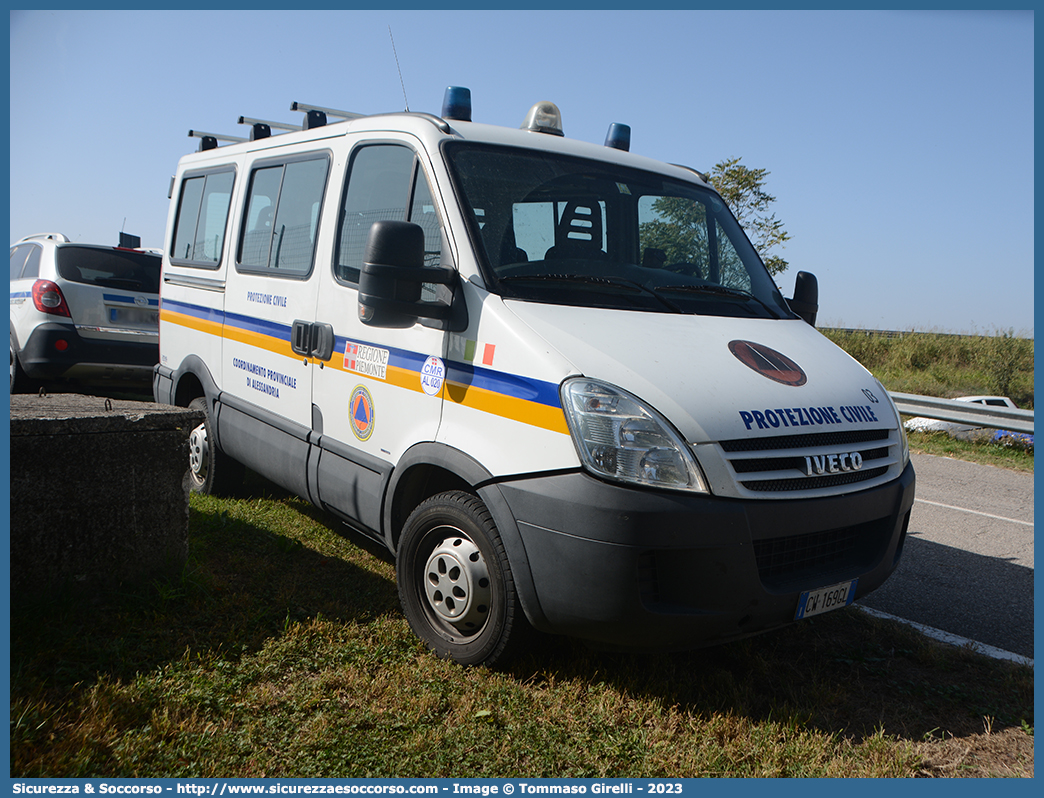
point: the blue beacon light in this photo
(456, 103)
(618, 137)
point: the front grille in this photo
(783, 463)
(812, 483)
(806, 441)
(789, 463)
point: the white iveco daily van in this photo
(554, 378)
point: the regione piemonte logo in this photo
(768, 362)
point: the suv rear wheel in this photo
(19, 379)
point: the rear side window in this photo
(110, 268)
(282, 217)
(385, 183)
(199, 233)
(18, 256)
(32, 264)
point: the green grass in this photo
(1016, 458)
(948, 366)
(280, 651)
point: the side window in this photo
(282, 218)
(731, 270)
(379, 188)
(32, 263)
(256, 242)
(422, 212)
(18, 256)
(199, 233)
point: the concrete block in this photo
(99, 491)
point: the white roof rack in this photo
(246, 120)
(45, 237)
(315, 116)
(295, 106)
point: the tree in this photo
(743, 190)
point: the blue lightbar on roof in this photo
(456, 103)
(618, 137)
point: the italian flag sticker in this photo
(476, 352)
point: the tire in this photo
(18, 378)
(455, 582)
(14, 366)
(211, 471)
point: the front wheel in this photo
(455, 583)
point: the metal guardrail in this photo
(976, 415)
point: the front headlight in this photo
(904, 444)
(621, 438)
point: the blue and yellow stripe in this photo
(524, 399)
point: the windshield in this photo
(571, 231)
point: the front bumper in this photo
(630, 568)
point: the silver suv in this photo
(83, 313)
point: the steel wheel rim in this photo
(199, 453)
(457, 582)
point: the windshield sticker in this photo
(808, 416)
(370, 361)
(360, 413)
(768, 362)
(433, 374)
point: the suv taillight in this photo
(48, 298)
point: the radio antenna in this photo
(401, 82)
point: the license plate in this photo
(134, 317)
(816, 602)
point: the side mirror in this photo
(393, 279)
(806, 297)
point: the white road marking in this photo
(976, 512)
(952, 639)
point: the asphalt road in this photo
(967, 567)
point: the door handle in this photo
(312, 339)
(301, 338)
(322, 340)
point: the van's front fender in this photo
(429, 468)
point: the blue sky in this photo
(899, 145)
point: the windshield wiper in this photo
(594, 279)
(721, 290)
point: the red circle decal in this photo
(768, 362)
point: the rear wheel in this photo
(455, 583)
(18, 378)
(211, 471)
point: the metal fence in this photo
(970, 413)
